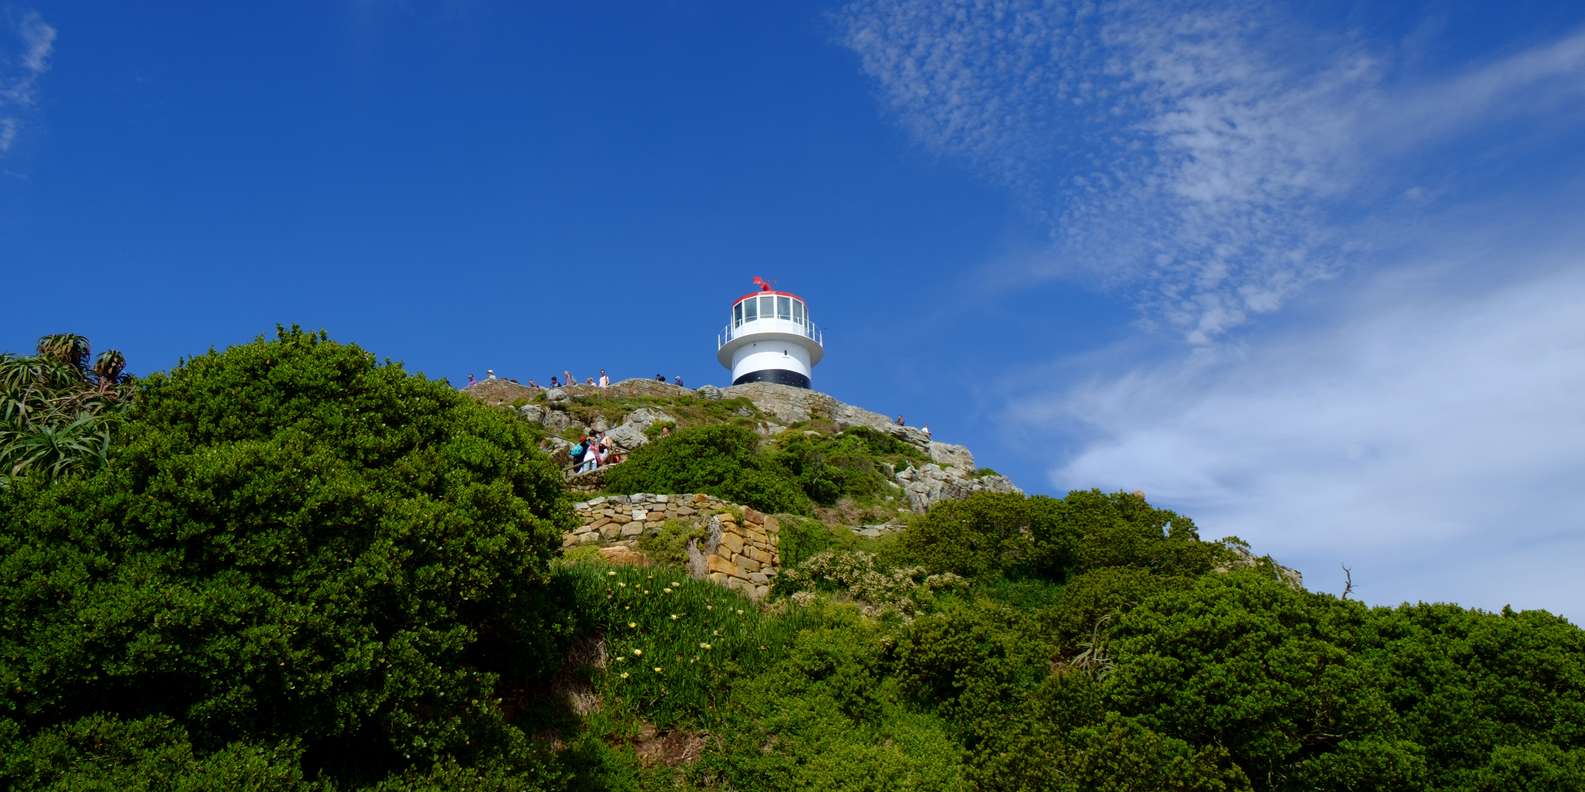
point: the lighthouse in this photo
(770, 338)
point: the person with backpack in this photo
(576, 453)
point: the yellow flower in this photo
(657, 669)
(674, 617)
(624, 675)
(709, 607)
(740, 611)
(621, 659)
(638, 652)
(631, 625)
(704, 646)
(612, 573)
(620, 583)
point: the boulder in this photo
(708, 392)
(948, 455)
(632, 433)
(532, 413)
(930, 483)
(557, 422)
(556, 396)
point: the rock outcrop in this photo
(950, 474)
(634, 430)
(930, 483)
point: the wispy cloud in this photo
(1413, 412)
(1422, 432)
(1197, 156)
(34, 41)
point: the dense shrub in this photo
(973, 662)
(983, 535)
(290, 543)
(1004, 534)
(830, 467)
(152, 753)
(828, 717)
(854, 574)
(1513, 682)
(724, 461)
(1095, 599)
(1258, 667)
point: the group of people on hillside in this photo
(563, 380)
(592, 451)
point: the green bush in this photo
(100, 752)
(854, 574)
(801, 538)
(973, 662)
(1253, 665)
(724, 461)
(827, 716)
(1097, 598)
(849, 464)
(984, 535)
(1004, 534)
(290, 542)
(669, 544)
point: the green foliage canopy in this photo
(290, 544)
(724, 461)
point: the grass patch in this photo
(675, 645)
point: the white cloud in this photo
(1195, 155)
(19, 73)
(1429, 434)
(1418, 419)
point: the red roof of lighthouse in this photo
(765, 288)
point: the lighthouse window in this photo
(783, 308)
(737, 315)
(749, 314)
(767, 307)
(798, 312)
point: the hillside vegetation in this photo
(291, 566)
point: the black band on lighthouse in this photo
(778, 376)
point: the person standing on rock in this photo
(471, 380)
(489, 375)
(660, 377)
(678, 381)
(900, 421)
(605, 381)
(566, 378)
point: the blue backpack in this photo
(576, 452)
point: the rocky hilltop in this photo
(631, 411)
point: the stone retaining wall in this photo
(741, 549)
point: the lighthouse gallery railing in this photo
(727, 334)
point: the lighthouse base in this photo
(778, 376)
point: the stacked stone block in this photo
(740, 551)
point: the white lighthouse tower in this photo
(770, 339)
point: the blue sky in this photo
(1309, 273)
